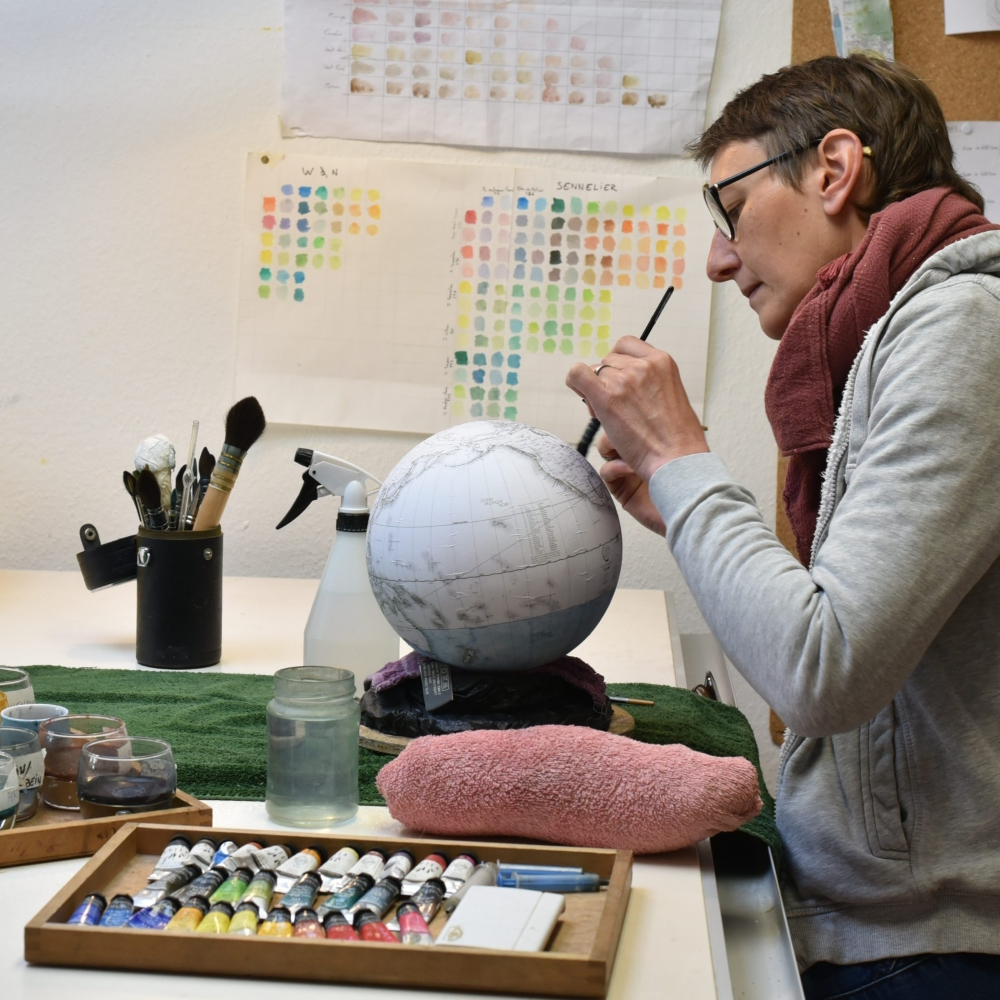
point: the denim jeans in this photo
(917, 977)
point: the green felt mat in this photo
(217, 727)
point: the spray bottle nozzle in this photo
(326, 475)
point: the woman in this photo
(842, 220)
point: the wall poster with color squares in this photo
(625, 76)
(403, 296)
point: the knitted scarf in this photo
(825, 333)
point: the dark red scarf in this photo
(825, 333)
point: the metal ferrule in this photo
(227, 468)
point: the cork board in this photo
(960, 69)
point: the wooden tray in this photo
(371, 739)
(53, 834)
(578, 962)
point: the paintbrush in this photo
(206, 466)
(186, 512)
(149, 494)
(244, 425)
(131, 487)
(618, 700)
(592, 428)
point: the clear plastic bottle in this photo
(312, 747)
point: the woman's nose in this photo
(723, 260)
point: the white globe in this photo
(494, 546)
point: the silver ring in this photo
(600, 368)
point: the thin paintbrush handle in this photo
(227, 468)
(595, 425)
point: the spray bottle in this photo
(346, 627)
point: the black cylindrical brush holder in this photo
(179, 600)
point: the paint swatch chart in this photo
(625, 76)
(410, 296)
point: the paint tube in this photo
(428, 898)
(349, 893)
(204, 885)
(201, 855)
(457, 872)
(398, 866)
(170, 882)
(370, 928)
(371, 864)
(217, 919)
(338, 929)
(172, 857)
(189, 916)
(226, 850)
(234, 888)
(268, 859)
(433, 866)
(88, 913)
(484, 874)
(277, 924)
(259, 892)
(379, 897)
(119, 911)
(307, 860)
(307, 925)
(337, 866)
(156, 917)
(245, 920)
(242, 857)
(302, 893)
(413, 928)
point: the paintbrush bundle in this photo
(197, 496)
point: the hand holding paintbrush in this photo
(244, 425)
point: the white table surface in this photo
(50, 617)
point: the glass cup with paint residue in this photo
(130, 774)
(63, 740)
(15, 687)
(8, 791)
(23, 745)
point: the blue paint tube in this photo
(88, 913)
(119, 911)
(349, 893)
(156, 917)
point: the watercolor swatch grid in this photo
(626, 76)
(409, 296)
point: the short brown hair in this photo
(886, 105)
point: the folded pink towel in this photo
(569, 785)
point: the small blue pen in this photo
(555, 882)
(513, 869)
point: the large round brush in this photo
(149, 494)
(244, 424)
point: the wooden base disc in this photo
(621, 725)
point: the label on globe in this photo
(435, 678)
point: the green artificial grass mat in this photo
(217, 726)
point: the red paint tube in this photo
(413, 928)
(338, 929)
(371, 928)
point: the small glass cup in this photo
(8, 791)
(30, 715)
(132, 774)
(23, 745)
(63, 739)
(15, 687)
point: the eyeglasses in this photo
(720, 216)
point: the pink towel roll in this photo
(569, 785)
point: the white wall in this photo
(125, 131)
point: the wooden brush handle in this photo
(227, 468)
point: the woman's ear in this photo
(841, 175)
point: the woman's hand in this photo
(641, 403)
(628, 488)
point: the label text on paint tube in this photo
(30, 770)
(9, 793)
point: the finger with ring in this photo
(600, 368)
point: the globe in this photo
(494, 546)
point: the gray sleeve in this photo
(918, 525)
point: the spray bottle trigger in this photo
(309, 492)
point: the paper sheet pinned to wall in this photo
(862, 26)
(409, 296)
(977, 157)
(626, 76)
(964, 16)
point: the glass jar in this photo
(8, 791)
(15, 687)
(312, 747)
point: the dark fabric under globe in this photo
(484, 701)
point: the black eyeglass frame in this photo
(713, 201)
